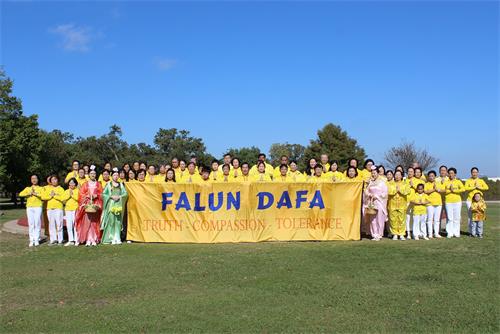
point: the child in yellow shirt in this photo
(478, 208)
(419, 200)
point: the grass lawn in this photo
(389, 286)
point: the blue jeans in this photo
(477, 228)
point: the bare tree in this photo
(407, 154)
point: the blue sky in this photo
(255, 73)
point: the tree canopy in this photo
(25, 149)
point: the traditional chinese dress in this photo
(87, 223)
(113, 213)
(378, 191)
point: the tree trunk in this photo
(13, 198)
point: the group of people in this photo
(404, 204)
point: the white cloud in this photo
(165, 64)
(74, 38)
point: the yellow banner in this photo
(243, 212)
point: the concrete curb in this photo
(13, 227)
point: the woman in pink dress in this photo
(87, 223)
(375, 204)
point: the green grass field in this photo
(363, 286)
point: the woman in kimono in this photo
(114, 198)
(375, 206)
(89, 199)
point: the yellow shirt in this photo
(235, 172)
(242, 178)
(70, 202)
(280, 178)
(458, 188)
(297, 176)
(104, 183)
(478, 211)
(434, 191)
(365, 174)
(277, 171)
(269, 170)
(81, 181)
(70, 175)
(316, 179)
(474, 186)
(334, 176)
(190, 178)
(419, 202)
(398, 195)
(160, 178)
(53, 202)
(180, 174)
(35, 200)
(326, 167)
(215, 175)
(260, 177)
(414, 182)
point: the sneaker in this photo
(438, 236)
(480, 236)
(395, 237)
(69, 243)
(76, 243)
(31, 244)
(430, 236)
(129, 242)
(402, 237)
(52, 243)
(425, 238)
(36, 243)
(417, 238)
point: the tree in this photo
(179, 144)
(407, 153)
(98, 150)
(245, 154)
(55, 152)
(292, 151)
(19, 141)
(335, 142)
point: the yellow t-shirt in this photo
(454, 196)
(297, 176)
(53, 202)
(316, 179)
(277, 171)
(269, 170)
(419, 202)
(190, 178)
(35, 200)
(435, 197)
(70, 175)
(260, 177)
(474, 186)
(337, 176)
(70, 202)
(81, 181)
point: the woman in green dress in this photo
(114, 198)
